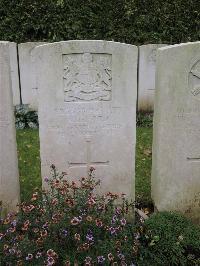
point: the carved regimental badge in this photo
(194, 80)
(87, 77)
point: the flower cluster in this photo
(69, 224)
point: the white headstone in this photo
(9, 179)
(14, 73)
(27, 75)
(146, 81)
(87, 109)
(176, 143)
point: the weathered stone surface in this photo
(146, 81)
(14, 73)
(87, 105)
(27, 74)
(9, 180)
(176, 144)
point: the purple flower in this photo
(10, 214)
(45, 226)
(10, 230)
(118, 210)
(65, 232)
(80, 218)
(114, 219)
(121, 256)
(12, 251)
(46, 179)
(123, 221)
(137, 236)
(141, 220)
(14, 239)
(38, 255)
(88, 259)
(90, 237)
(14, 223)
(100, 208)
(112, 230)
(50, 261)
(83, 212)
(100, 259)
(29, 257)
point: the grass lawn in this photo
(29, 162)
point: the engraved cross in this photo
(89, 161)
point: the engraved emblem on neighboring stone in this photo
(87, 77)
(194, 80)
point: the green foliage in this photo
(144, 119)
(25, 118)
(174, 241)
(130, 21)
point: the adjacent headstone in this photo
(146, 80)
(27, 75)
(9, 179)
(14, 73)
(87, 109)
(176, 141)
